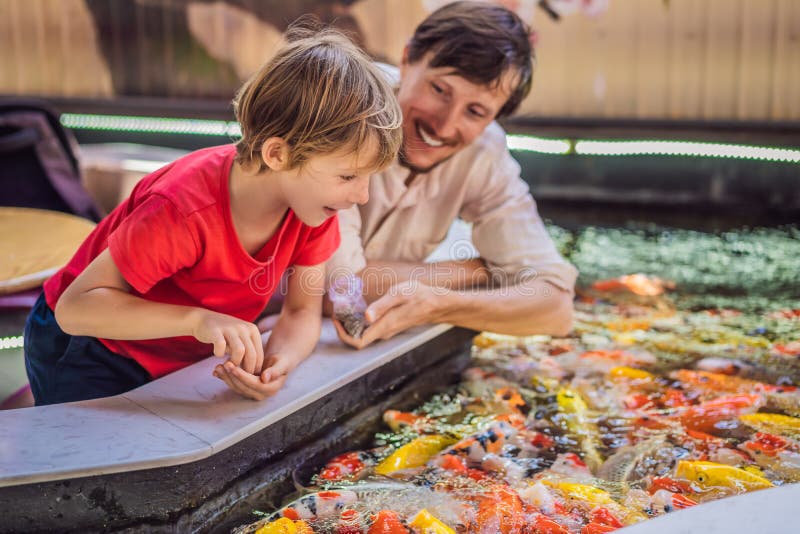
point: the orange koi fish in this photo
(349, 523)
(722, 383)
(512, 398)
(713, 415)
(542, 524)
(667, 501)
(500, 510)
(597, 528)
(396, 420)
(638, 284)
(387, 522)
(347, 465)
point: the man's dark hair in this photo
(480, 41)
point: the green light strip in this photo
(150, 124)
(684, 148)
(13, 342)
(529, 143)
(525, 143)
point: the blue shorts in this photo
(65, 368)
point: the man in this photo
(467, 64)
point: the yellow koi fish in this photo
(577, 421)
(594, 497)
(413, 454)
(710, 475)
(773, 423)
(426, 522)
(285, 526)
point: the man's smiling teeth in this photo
(430, 141)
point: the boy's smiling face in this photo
(443, 112)
(328, 183)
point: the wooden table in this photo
(35, 243)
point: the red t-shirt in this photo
(174, 241)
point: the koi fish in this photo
(426, 522)
(489, 441)
(638, 284)
(669, 484)
(625, 464)
(631, 374)
(413, 454)
(710, 475)
(482, 384)
(776, 454)
(597, 528)
(346, 466)
(576, 419)
(350, 522)
(719, 414)
(590, 497)
(731, 367)
(570, 465)
(665, 501)
(512, 399)
(500, 510)
(542, 524)
(722, 383)
(397, 420)
(387, 522)
(601, 361)
(320, 505)
(284, 525)
(773, 423)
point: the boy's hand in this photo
(256, 387)
(240, 340)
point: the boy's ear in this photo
(275, 153)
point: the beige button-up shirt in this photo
(481, 184)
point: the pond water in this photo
(677, 386)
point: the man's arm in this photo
(461, 296)
(530, 307)
(380, 276)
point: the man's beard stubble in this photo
(415, 170)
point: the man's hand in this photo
(239, 339)
(406, 305)
(256, 386)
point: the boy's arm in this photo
(98, 303)
(292, 340)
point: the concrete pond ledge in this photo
(176, 453)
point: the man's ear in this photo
(275, 153)
(404, 61)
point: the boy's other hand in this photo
(253, 386)
(231, 336)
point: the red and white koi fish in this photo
(320, 505)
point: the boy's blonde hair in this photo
(319, 93)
